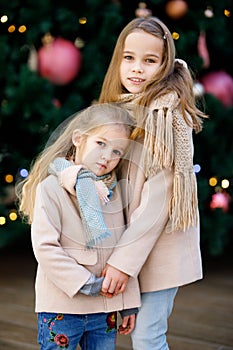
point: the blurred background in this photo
(54, 55)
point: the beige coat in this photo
(162, 259)
(64, 264)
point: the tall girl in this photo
(161, 243)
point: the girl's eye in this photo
(128, 57)
(100, 143)
(117, 153)
(150, 60)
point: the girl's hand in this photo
(68, 177)
(115, 281)
(128, 324)
(102, 191)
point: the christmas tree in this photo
(39, 90)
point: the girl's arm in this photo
(59, 267)
(146, 225)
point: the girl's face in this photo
(142, 57)
(102, 149)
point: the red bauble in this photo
(59, 61)
(220, 85)
(176, 8)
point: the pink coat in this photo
(161, 259)
(64, 263)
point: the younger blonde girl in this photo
(73, 234)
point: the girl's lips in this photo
(136, 80)
(102, 165)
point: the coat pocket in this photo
(83, 256)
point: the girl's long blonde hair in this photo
(171, 76)
(61, 145)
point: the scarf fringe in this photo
(184, 203)
(149, 139)
(92, 242)
(159, 153)
(158, 143)
(167, 145)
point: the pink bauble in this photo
(203, 50)
(220, 85)
(59, 61)
(220, 200)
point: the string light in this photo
(23, 172)
(22, 29)
(2, 220)
(4, 19)
(227, 13)
(11, 29)
(213, 181)
(13, 215)
(175, 35)
(9, 178)
(83, 20)
(225, 183)
(197, 168)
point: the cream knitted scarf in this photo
(167, 145)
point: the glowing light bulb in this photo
(11, 29)
(196, 168)
(213, 181)
(225, 183)
(22, 29)
(83, 20)
(13, 216)
(9, 178)
(175, 35)
(227, 13)
(23, 172)
(4, 19)
(2, 220)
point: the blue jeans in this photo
(66, 331)
(152, 320)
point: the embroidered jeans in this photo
(66, 331)
(152, 320)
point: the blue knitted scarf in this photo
(89, 202)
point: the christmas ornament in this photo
(198, 90)
(142, 10)
(56, 103)
(32, 59)
(209, 13)
(220, 200)
(58, 60)
(220, 85)
(79, 43)
(203, 50)
(176, 8)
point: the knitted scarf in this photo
(88, 200)
(167, 145)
